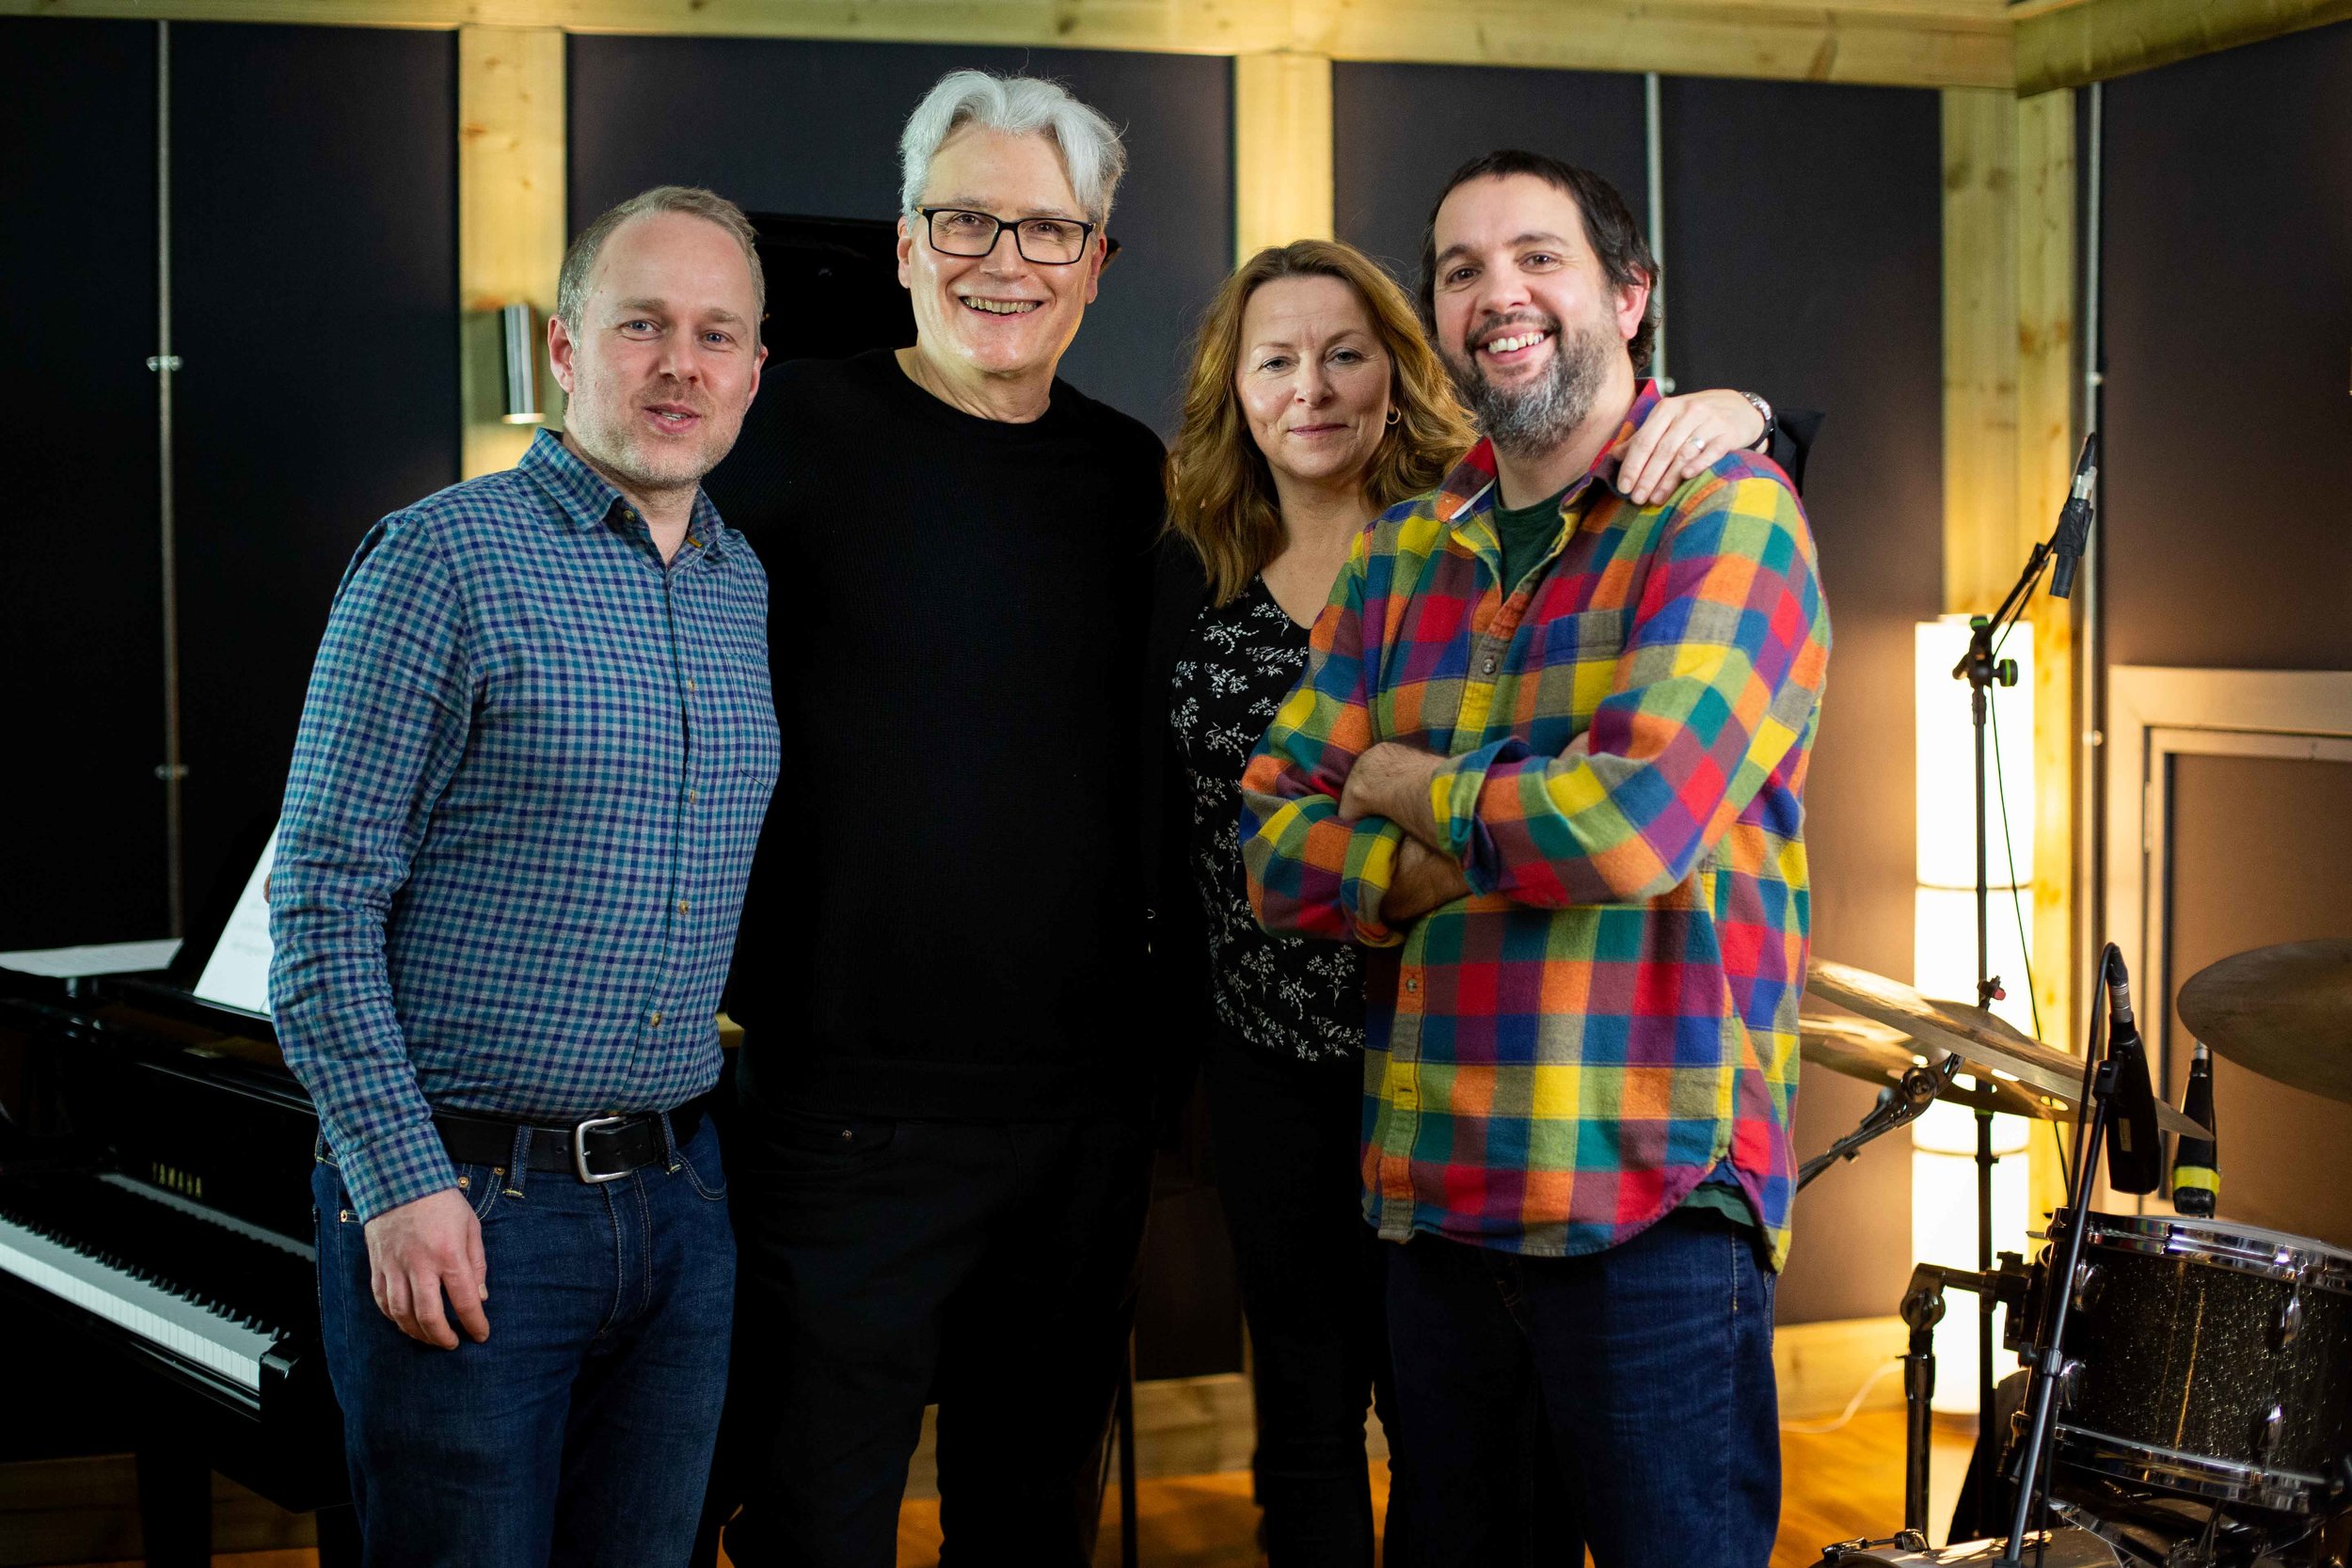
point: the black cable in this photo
(2025, 948)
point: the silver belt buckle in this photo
(579, 1149)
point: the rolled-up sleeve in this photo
(1312, 873)
(383, 729)
(1720, 678)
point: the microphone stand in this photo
(1982, 672)
(2101, 1079)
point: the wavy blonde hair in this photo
(1221, 495)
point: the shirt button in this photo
(690, 683)
(690, 797)
(1412, 985)
(1487, 668)
(654, 1018)
(682, 905)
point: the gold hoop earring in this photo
(1394, 414)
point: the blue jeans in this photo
(1652, 1366)
(579, 1433)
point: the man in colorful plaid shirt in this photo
(1548, 760)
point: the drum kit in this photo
(2190, 1402)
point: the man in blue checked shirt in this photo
(537, 748)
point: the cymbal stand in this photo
(1922, 1310)
(2100, 1076)
(1898, 1105)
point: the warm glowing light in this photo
(1944, 948)
(1947, 762)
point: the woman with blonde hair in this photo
(1314, 404)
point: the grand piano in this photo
(155, 1226)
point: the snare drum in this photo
(2211, 1360)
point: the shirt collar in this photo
(585, 499)
(1470, 486)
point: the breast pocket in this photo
(1575, 665)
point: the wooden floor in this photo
(1834, 1486)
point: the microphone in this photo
(2074, 528)
(2195, 1171)
(2134, 1149)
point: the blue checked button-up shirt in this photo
(531, 775)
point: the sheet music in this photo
(105, 957)
(237, 974)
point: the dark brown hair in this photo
(1609, 228)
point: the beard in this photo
(601, 418)
(1530, 420)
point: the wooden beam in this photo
(1282, 151)
(2076, 42)
(2045, 442)
(1980, 553)
(1895, 42)
(511, 225)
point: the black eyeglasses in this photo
(1047, 242)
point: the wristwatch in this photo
(1764, 442)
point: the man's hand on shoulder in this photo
(1425, 880)
(1392, 780)
(422, 1249)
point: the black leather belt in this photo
(601, 1148)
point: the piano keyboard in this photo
(195, 1292)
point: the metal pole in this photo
(2089, 589)
(164, 364)
(1653, 125)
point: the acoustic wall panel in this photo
(316, 282)
(81, 649)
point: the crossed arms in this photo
(1718, 680)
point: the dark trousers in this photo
(1653, 1363)
(1287, 1139)
(579, 1433)
(988, 1265)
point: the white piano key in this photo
(187, 1329)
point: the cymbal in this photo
(1988, 1046)
(2284, 1012)
(1879, 1055)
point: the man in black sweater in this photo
(943, 1169)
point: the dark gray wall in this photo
(1804, 260)
(2228, 328)
(736, 115)
(315, 306)
(1397, 131)
(1822, 288)
(81, 649)
(315, 280)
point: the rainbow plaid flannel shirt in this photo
(1554, 1062)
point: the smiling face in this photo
(665, 356)
(997, 315)
(1313, 380)
(1526, 317)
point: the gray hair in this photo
(579, 261)
(1091, 152)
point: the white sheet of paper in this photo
(105, 957)
(237, 974)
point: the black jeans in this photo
(1653, 1363)
(1286, 1136)
(883, 1264)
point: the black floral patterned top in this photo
(1288, 995)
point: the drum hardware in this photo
(1923, 1307)
(2069, 1546)
(2090, 1284)
(2290, 1319)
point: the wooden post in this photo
(2009, 434)
(1282, 151)
(511, 223)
